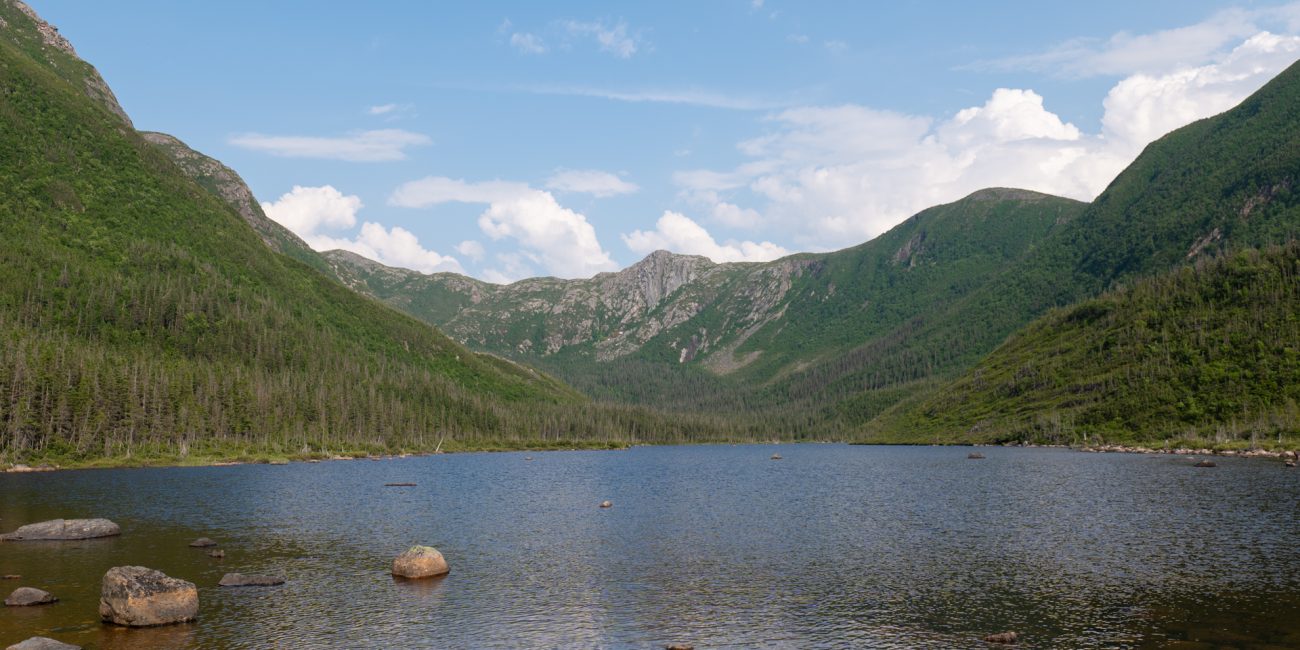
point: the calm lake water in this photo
(833, 546)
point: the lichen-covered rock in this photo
(28, 596)
(137, 596)
(249, 580)
(420, 562)
(64, 529)
(42, 643)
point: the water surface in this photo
(833, 546)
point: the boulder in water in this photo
(28, 596)
(1002, 637)
(202, 542)
(42, 643)
(64, 529)
(420, 562)
(137, 596)
(249, 580)
(607, 504)
(975, 455)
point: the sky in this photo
(511, 140)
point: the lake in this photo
(718, 546)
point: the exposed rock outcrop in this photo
(249, 580)
(420, 562)
(63, 529)
(42, 643)
(28, 596)
(137, 596)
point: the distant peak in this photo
(1006, 194)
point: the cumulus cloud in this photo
(613, 39)
(589, 181)
(835, 175)
(528, 43)
(379, 145)
(678, 233)
(471, 249)
(307, 211)
(558, 239)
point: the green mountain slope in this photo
(779, 345)
(1207, 352)
(141, 314)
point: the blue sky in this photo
(517, 139)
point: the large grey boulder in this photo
(42, 643)
(249, 580)
(28, 596)
(136, 596)
(63, 529)
(420, 562)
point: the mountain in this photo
(148, 309)
(1206, 354)
(1224, 183)
(791, 343)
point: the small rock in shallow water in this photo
(249, 580)
(202, 542)
(607, 504)
(399, 485)
(10, 576)
(28, 596)
(679, 646)
(217, 554)
(975, 455)
(43, 643)
(64, 529)
(420, 562)
(1205, 463)
(1289, 463)
(137, 596)
(776, 456)
(1002, 637)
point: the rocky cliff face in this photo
(607, 316)
(43, 39)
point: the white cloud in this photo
(390, 111)
(366, 146)
(590, 181)
(304, 210)
(528, 43)
(471, 249)
(835, 45)
(1156, 53)
(611, 38)
(308, 210)
(558, 239)
(680, 234)
(433, 190)
(831, 176)
(797, 39)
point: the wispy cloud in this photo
(612, 38)
(689, 97)
(380, 145)
(528, 43)
(590, 181)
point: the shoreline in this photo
(270, 458)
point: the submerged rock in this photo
(42, 643)
(202, 542)
(399, 485)
(28, 596)
(217, 554)
(776, 456)
(137, 596)
(1002, 637)
(249, 580)
(64, 529)
(679, 646)
(420, 562)
(975, 455)
(1205, 463)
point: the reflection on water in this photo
(884, 547)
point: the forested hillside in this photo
(797, 346)
(1208, 353)
(141, 316)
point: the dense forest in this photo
(1208, 354)
(141, 317)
